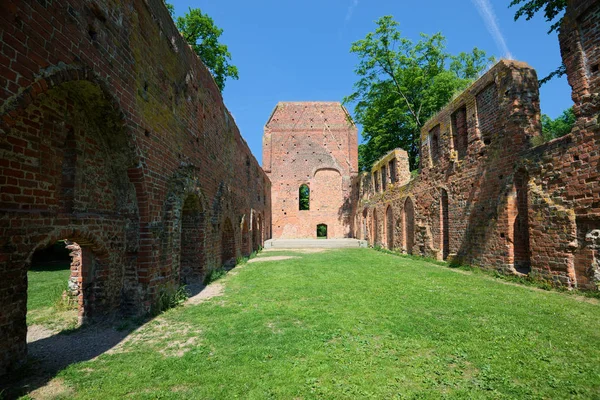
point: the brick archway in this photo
(73, 176)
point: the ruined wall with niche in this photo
(114, 135)
(313, 144)
(485, 195)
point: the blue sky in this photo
(299, 50)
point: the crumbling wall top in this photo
(309, 115)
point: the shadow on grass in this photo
(47, 356)
(50, 354)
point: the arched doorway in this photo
(409, 225)
(322, 231)
(54, 288)
(192, 241)
(389, 223)
(228, 244)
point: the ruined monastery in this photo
(114, 136)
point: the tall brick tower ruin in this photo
(312, 144)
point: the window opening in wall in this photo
(434, 144)
(304, 198)
(384, 177)
(54, 287)
(409, 226)
(445, 229)
(460, 136)
(487, 112)
(393, 171)
(376, 180)
(322, 231)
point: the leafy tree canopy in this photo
(553, 10)
(200, 31)
(402, 84)
(555, 128)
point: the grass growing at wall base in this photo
(532, 279)
(356, 323)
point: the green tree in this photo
(553, 10)
(555, 128)
(200, 31)
(402, 84)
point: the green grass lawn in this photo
(45, 286)
(356, 323)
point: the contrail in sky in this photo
(351, 10)
(489, 18)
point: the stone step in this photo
(313, 243)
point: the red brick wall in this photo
(456, 207)
(108, 123)
(511, 206)
(313, 143)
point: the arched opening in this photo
(444, 222)
(192, 241)
(434, 135)
(409, 225)
(304, 198)
(322, 231)
(228, 244)
(389, 223)
(86, 182)
(375, 229)
(520, 225)
(54, 287)
(245, 237)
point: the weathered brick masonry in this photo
(115, 137)
(313, 144)
(484, 194)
